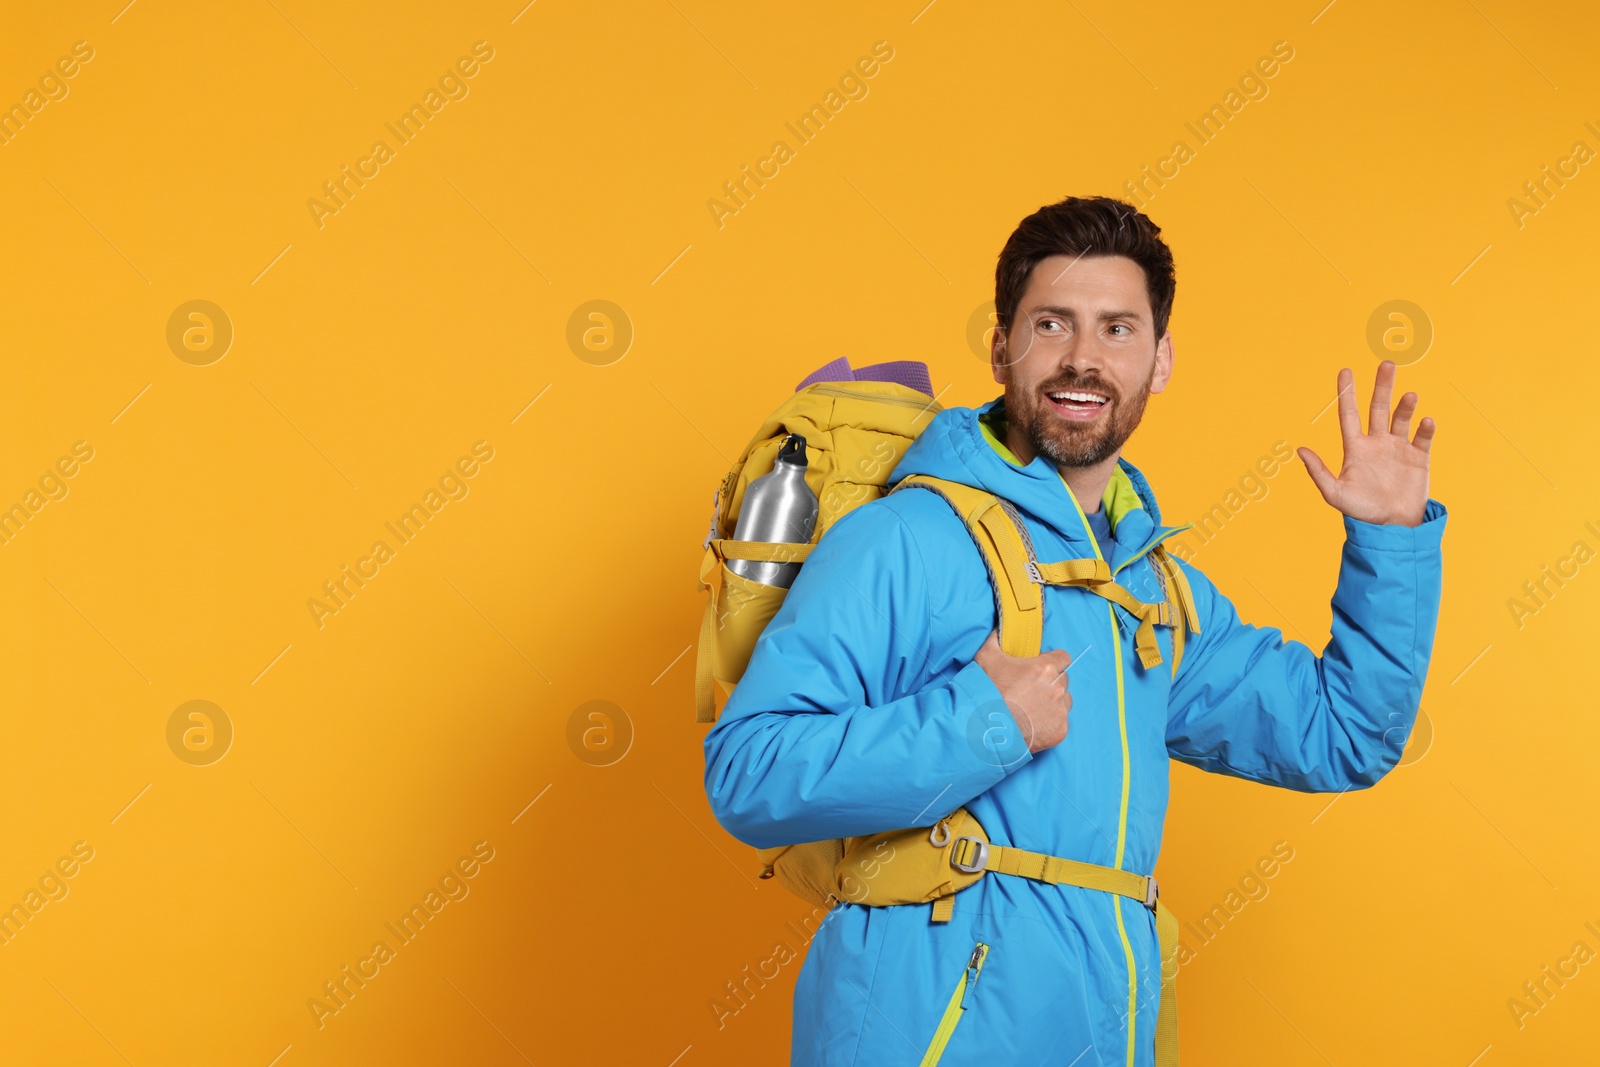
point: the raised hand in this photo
(1384, 476)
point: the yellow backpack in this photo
(856, 433)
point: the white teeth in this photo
(1082, 398)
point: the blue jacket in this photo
(862, 710)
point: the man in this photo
(868, 698)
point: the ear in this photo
(1163, 371)
(997, 353)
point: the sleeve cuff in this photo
(992, 732)
(1391, 537)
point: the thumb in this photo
(990, 647)
(1326, 483)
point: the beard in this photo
(1070, 444)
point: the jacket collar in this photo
(959, 446)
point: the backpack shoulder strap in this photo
(1185, 614)
(1018, 598)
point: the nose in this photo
(1084, 354)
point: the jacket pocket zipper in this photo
(960, 1000)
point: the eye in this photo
(1121, 326)
(1049, 322)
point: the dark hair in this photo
(1085, 226)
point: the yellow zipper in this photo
(1122, 833)
(959, 1001)
(1122, 725)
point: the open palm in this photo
(1384, 476)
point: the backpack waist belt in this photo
(974, 854)
(932, 865)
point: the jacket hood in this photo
(953, 447)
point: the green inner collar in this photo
(1120, 496)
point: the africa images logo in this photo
(340, 590)
(340, 190)
(339, 991)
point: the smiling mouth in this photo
(1077, 404)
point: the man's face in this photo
(1081, 358)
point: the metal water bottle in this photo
(778, 507)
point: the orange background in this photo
(370, 353)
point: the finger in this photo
(1321, 477)
(1349, 421)
(1424, 438)
(1401, 423)
(1382, 388)
(1048, 684)
(1059, 658)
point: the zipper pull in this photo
(974, 968)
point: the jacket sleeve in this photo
(841, 725)
(1249, 704)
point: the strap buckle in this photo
(711, 534)
(1033, 573)
(1152, 893)
(980, 858)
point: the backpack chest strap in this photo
(1018, 577)
(1095, 576)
